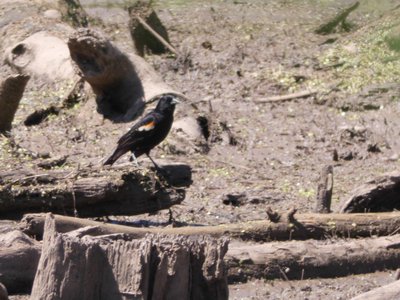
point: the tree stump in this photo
(114, 267)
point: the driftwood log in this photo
(307, 226)
(312, 259)
(390, 291)
(73, 266)
(121, 82)
(86, 192)
(19, 256)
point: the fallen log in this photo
(299, 260)
(390, 291)
(306, 226)
(114, 267)
(86, 192)
(121, 82)
(19, 256)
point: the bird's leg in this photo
(154, 163)
(134, 159)
(171, 219)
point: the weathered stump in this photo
(73, 266)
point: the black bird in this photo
(151, 130)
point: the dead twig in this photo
(302, 94)
(290, 215)
(156, 35)
(273, 216)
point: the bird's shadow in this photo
(176, 175)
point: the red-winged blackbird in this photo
(151, 130)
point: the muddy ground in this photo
(235, 53)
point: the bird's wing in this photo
(135, 133)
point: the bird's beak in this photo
(175, 101)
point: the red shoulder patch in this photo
(147, 126)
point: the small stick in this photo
(287, 97)
(273, 216)
(290, 215)
(156, 35)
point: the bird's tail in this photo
(113, 158)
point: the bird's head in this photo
(167, 102)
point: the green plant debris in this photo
(369, 57)
(307, 193)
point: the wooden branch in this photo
(19, 256)
(312, 259)
(302, 94)
(324, 193)
(113, 267)
(11, 91)
(95, 192)
(156, 35)
(306, 226)
(390, 291)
